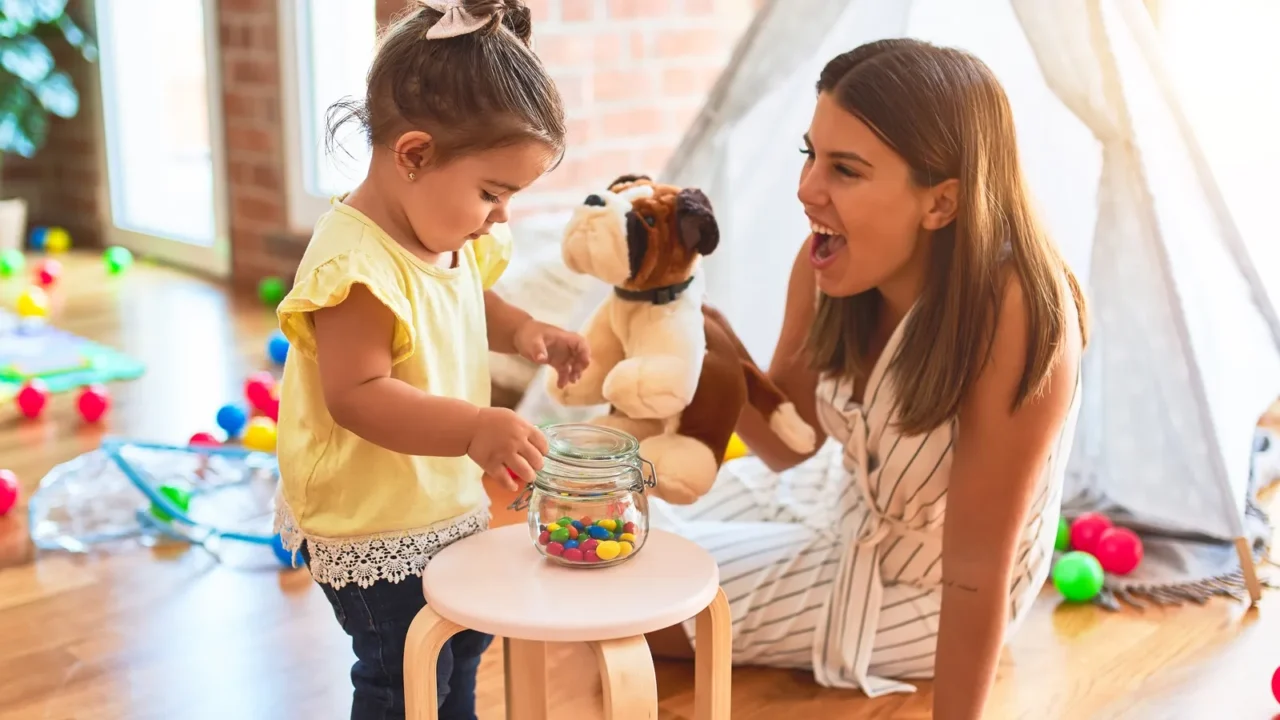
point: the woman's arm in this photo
(790, 371)
(1000, 453)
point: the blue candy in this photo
(570, 544)
(598, 532)
(578, 524)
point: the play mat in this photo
(62, 360)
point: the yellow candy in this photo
(624, 548)
(609, 525)
(33, 303)
(608, 549)
(553, 527)
(736, 448)
(260, 435)
(627, 537)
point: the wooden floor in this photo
(169, 634)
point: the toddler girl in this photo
(385, 427)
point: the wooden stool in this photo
(496, 582)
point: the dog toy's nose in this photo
(594, 201)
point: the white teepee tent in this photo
(1186, 345)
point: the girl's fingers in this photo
(521, 468)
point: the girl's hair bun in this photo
(511, 14)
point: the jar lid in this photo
(580, 443)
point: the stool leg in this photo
(627, 674)
(712, 663)
(524, 665)
(427, 635)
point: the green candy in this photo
(11, 262)
(175, 495)
(560, 535)
(1063, 543)
(117, 259)
(1078, 576)
(271, 291)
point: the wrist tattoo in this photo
(959, 585)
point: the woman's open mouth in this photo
(826, 245)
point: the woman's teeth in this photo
(821, 229)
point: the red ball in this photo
(32, 398)
(48, 272)
(271, 409)
(1275, 685)
(94, 401)
(8, 491)
(1086, 530)
(203, 439)
(259, 390)
(1119, 550)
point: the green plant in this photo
(31, 86)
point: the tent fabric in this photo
(1185, 349)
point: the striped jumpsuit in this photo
(835, 565)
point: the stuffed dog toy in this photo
(672, 371)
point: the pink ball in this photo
(258, 390)
(8, 491)
(1086, 530)
(1119, 550)
(32, 398)
(94, 401)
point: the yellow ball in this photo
(736, 448)
(57, 240)
(33, 302)
(260, 435)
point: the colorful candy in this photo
(586, 541)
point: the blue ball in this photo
(278, 347)
(232, 419)
(287, 559)
(39, 235)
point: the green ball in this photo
(175, 495)
(1063, 543)
(1078, 576)
(11, 262)
(271, 291)
(117, 259)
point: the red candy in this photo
(574, 554)
(1086, 530)
(586, 521)
(589, 544)
(1119, 550)
(557, 549)
(629, 528)
(544, 537)
(590, 556)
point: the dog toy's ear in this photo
(696, 222)
(628, 179)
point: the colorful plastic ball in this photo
(232, 418)
(260, 435)
(259, 389)
(93, 402)
(271, 291)
(1119, 550)
(33, 302)
(286, 558)
(8, 491)
(11, 262)
(48, 271)
(38, 238)
(203, 439)
(117, 259)
(175, 495)
(1086, 529)
(278, 347)
(1078, 576)
(32, 398)
(57, 240)
(1275, 685)
(1063, 541)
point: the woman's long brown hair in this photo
(945, 113)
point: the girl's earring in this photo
(412, 177)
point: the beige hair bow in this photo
(456, 21)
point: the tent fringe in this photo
(1141, 597)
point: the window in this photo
(162, 142)
(328, 47)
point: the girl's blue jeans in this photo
(377, 618)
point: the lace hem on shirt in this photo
(367, 559)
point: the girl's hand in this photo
(505, 440)
(545, 344)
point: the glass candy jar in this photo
(587, 506)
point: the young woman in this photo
(934, 332)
